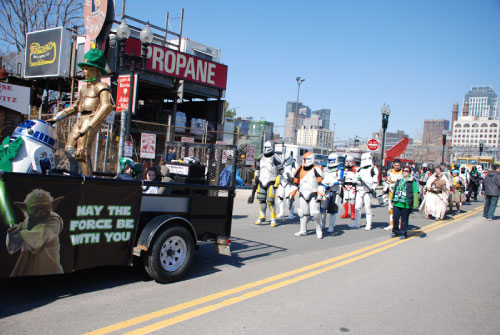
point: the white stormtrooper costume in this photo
(481, 173)
(36, 155)
(307, 181)
(285, 186)
(331, 182)
(349, 187)
(268, 169)
(366, 180)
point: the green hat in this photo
(95, 58)
(124, 161)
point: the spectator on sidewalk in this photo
(171, 155)
(491, 187)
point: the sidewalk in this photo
(243, 194)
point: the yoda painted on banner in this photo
(37, 237)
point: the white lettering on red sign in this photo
(181, 65)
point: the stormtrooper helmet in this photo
(479, 168)
(268, 148)
(425, 166)
(308, 159)
(366, 160)
(349, 161)
(332, 160)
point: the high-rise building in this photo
(391, 139)
(313, 122)
(482, 102)
(324, 117)
(319, 138)
(293, 121)
(291, 107)
(305, 110)
(260, 130)
(433, 132)
(470, 131)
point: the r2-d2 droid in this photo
(36, 155)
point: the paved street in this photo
(442, 280)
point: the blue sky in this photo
(417, 56)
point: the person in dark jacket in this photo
(404, 199)
(491, 186)
(473, 185)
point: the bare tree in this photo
(9, 60)
(18, 17)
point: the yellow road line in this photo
(238, 289)
(218, 295)
(231, 301)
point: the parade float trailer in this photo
(58, 223)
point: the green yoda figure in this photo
(37, 237)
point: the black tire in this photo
(171, 255)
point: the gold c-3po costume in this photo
(93, 104)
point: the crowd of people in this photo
(322, 191)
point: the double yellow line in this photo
(282, 280)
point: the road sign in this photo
(250, 156)
(128, 150)
(148, 145)
(372, 144)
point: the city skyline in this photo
(417, 57)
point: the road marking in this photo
(345, 259)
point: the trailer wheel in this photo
(171, 255)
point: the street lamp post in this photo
(481, 147)
(137, 63)
(356, 141)
(445, 133)
(386, 111)
(333, 139)
(299, 82)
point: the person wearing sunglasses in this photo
(404, 199)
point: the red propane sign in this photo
(372, 144)
(180, 65)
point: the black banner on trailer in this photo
(51, 225)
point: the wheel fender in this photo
(156, 225)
